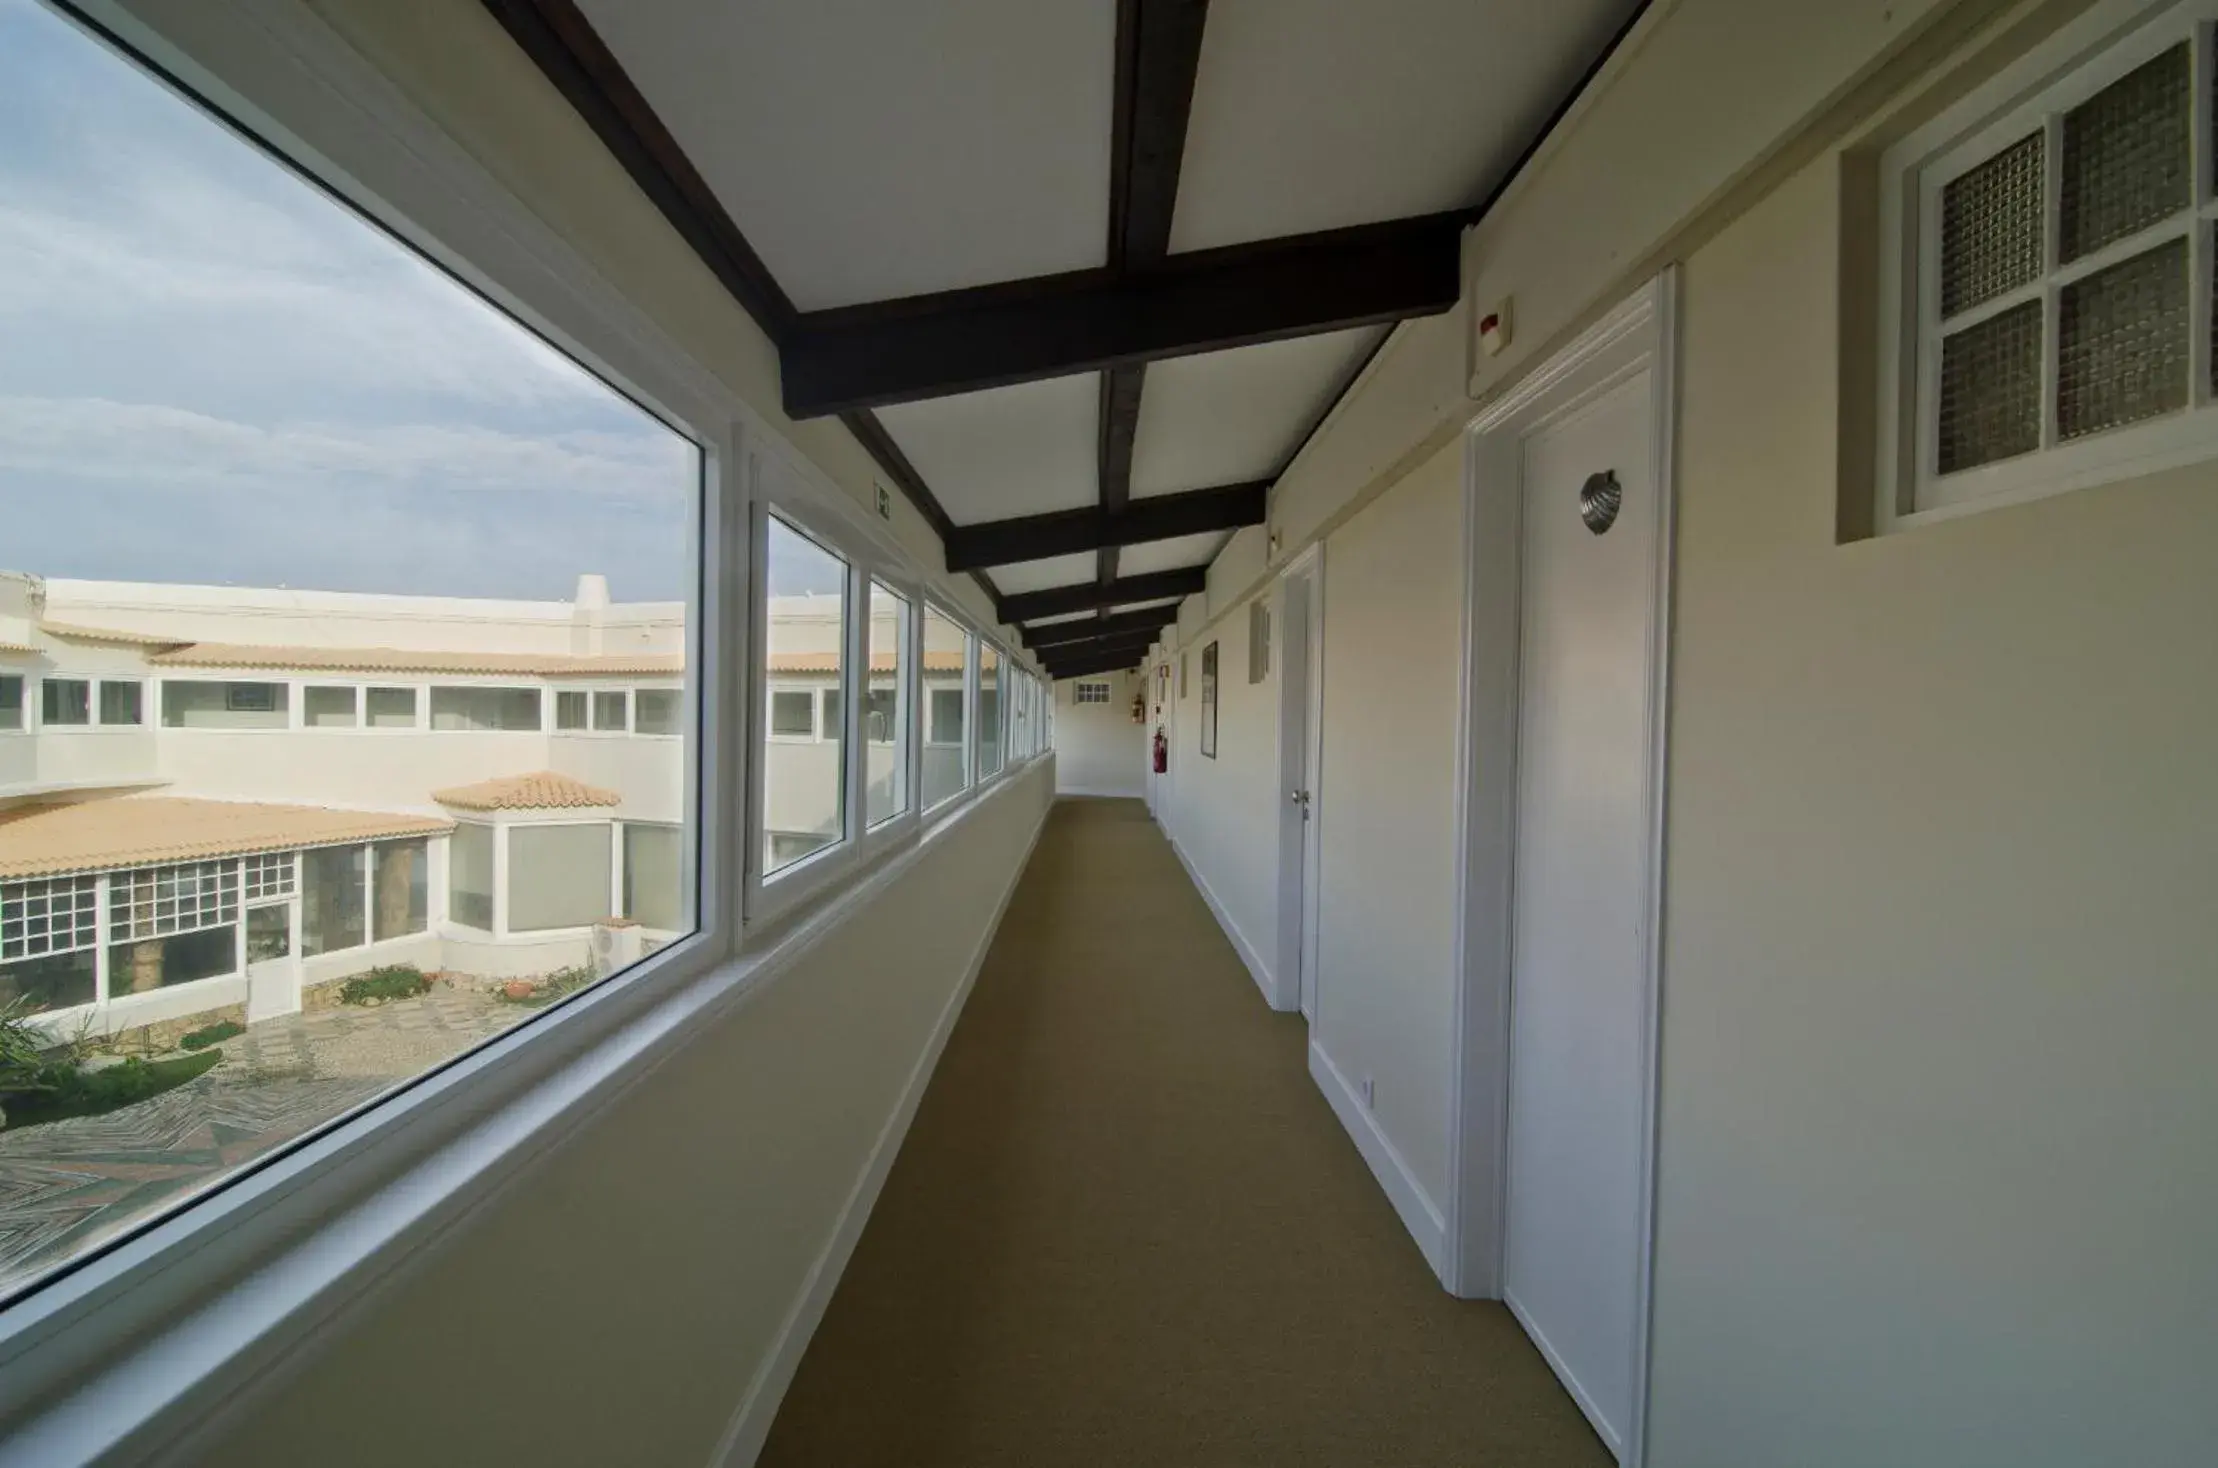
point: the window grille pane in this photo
(269, 875)
(2122, 343)
(804, 786)
(2125, 162)
(1991, 227)
(1990, 390)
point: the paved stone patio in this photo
(68, 1185)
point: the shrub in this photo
(560, 984)
(394, 981)
(65, 1090)
(220, 1030)
(22, 1049)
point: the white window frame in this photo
(361, 710)
(141, 1339)
(100, 717)
(1082, 687)
(92, 700)
(2081, 59)
(419, 714)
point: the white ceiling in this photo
(1169, 555)
(869, 150)
(1020, 450)
(1223, 417)
(1312, 114)
(1040, 575)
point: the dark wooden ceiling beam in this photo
(1072, 532)
(1063, 601)
(1201, 301)
(1049, 641)
(1103, 655)
(1158, 58)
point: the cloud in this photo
(167, 449)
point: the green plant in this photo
(394, 981)
(23, 1065)
(221, 1030)
(560, 984)
(66, 1090)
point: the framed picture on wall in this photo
(1209, 700)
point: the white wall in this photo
(613, 1305)
(1098, 749)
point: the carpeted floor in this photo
(1125, 1228)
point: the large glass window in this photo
(233, 412)
(946, 762)
(328, 708)
(512, 709)
(654, 892)
(804, 787)
(655, 710)
(470, 876)
(390, 708)
(989, 711)
(122, 702)
(570, 706)
(558, 877)
(400, 888)
(191, 704)
(609, 706)
(64, 701)
(886, 713)
(334, 913)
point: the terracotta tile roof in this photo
(540, 790)
(144, 830)
(403, 660)
(17, 647)
(72, 632)
(880, 662)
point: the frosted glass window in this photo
(558, 877)
(470, 876)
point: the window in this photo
(611, 711)
(829, 724)
(514, 709)
(268, 875)
(1259, 640)
(2062, 279)
(1089, 693)
(333, 907)
(172, 925)
(804, 787)
(122, 702)
(792, 713)
(64, 701)
(558, 877)
(403, 469)
(188, 704)
(329, 708)
(49, 942)
(654, 863)
(390, 708)
(570, 709)
(470, 876)
(989, 711)
(885, 715)
(400, 889)
(655, 711)
(946, 664)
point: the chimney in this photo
(588, 612)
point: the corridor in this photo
(1126, 1229)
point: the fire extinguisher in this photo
(1162, 751)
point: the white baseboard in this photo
(1258, 970)
(749, 1428)
(1419, 1214)
(1093, 793)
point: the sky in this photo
(212, 372)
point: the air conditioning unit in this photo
(617, 944)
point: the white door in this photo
(272, 960)
(1579, 961)
(1297, 793)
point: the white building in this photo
(217, 796)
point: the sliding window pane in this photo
(370, 501)
(804, 794)
(886, 714)
(989, 711)
(946, 763)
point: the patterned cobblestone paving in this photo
(68, 1185)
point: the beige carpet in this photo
(1125, 1228)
